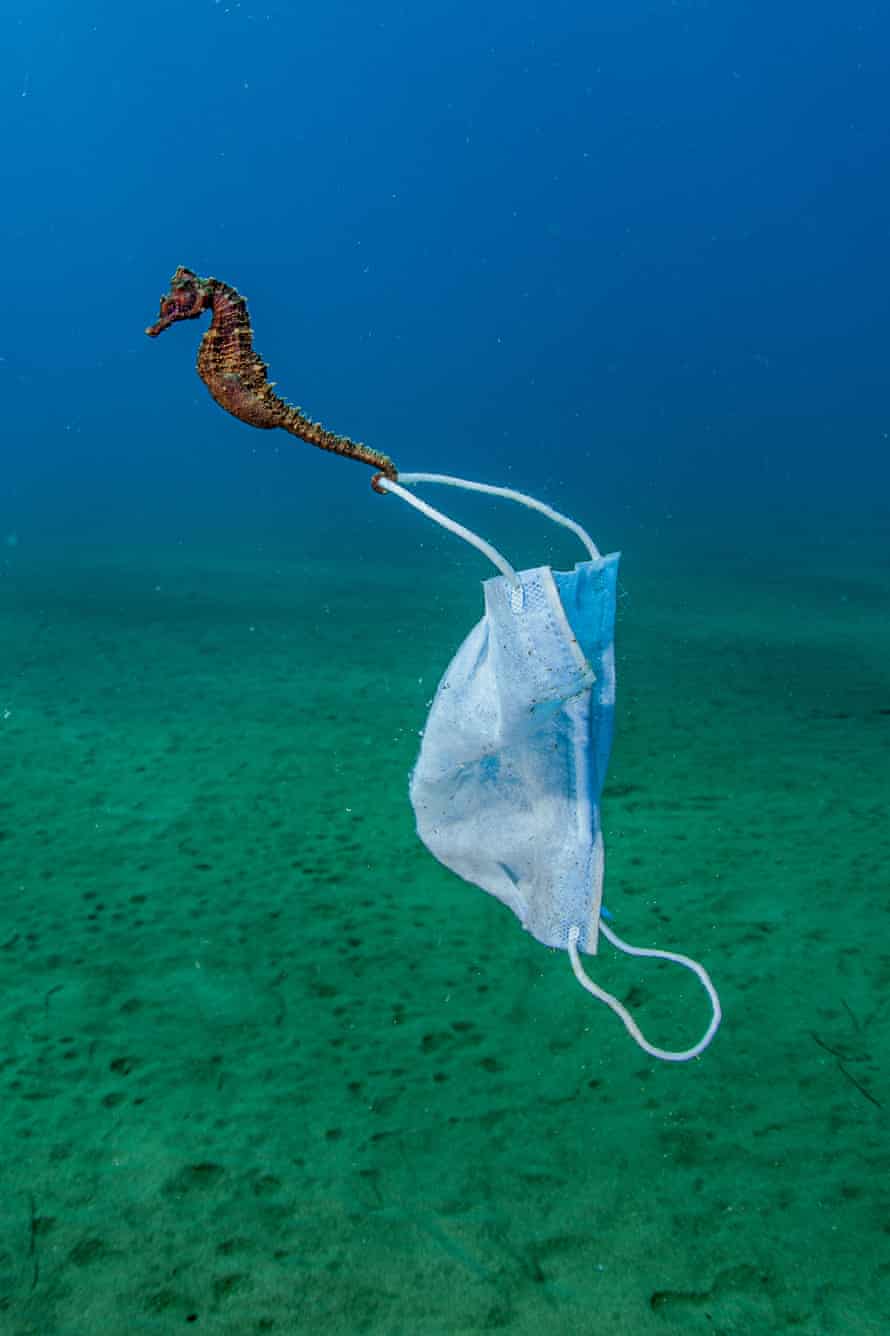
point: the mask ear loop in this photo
(509, 494)
(384, 484)
(624, 1015)
(387, 485)
(494, 556)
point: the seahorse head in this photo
(189, 295)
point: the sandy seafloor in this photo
(267, 1067)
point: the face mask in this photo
(507, 786)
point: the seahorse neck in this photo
(227, 307)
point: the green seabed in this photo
(268, 1067)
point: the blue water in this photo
(633, 248)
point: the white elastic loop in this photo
(467, 535)
(624, 1015)
(510, 495)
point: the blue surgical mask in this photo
(507, 786)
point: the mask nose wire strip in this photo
(510, 495)
(624, 1015)
(503, 565)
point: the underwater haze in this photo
(267, 1065)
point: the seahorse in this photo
(236, 375)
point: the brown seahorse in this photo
(236, 375)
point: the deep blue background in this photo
(623, 254)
